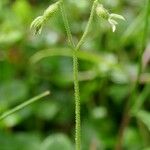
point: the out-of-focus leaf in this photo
(99, 112)
(118, 92)
(57, 142)
(23, 10)
(87, 90)
(148, 148)
(131, 138)
(13, 92)
(19, 141)
(91, 138)
(119, 76)
(130, 31)
(140, 100)
(108, 59)
(47, 110)
(64, 52)
(10, 37)
(106, 62)
(10, 121)
(144, 117)
(146, 57)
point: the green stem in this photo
(75, 70)
(77, 102)
(82, 40)
(21, 106)
(66, 24)
(76, 82)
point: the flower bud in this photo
(51, 10)
(37, 25)
(102, 12)
(38, 22)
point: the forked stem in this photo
(66, 24)
(82, 40)
(76, 82)
(75, 69)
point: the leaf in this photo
(64, 52)
(141, 99)
(148, 148)
(99, 112)
(57, 142)
(144, 117)
(132, 139)
(9, 94)
(23, 10)
(130, 31)
(10, 37)
(23, 141)
(106, 61)
(47, 110)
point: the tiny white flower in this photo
(103, 13)
(113, 22)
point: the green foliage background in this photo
(108, 69)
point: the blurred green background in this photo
(108, 69)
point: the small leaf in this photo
(148, 148)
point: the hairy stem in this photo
(75, 69)
(77, 102)
(131, 101)
(82, 40)
(66, 24)
(76, 82)
(21, 106)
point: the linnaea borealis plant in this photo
(97, 9)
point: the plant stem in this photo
(66, 24)
(75, 70)
(77, 102)
(131, 101)
(76, 82)
(82, 40)
(21, 106)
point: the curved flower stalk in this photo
(38, 22)
(110, 17)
